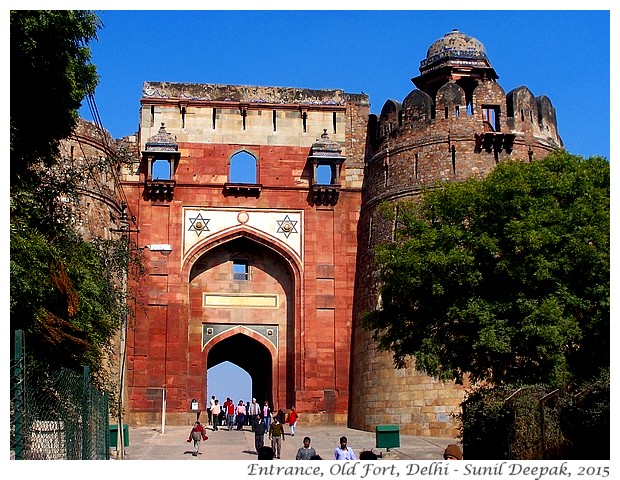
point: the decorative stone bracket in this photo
(494, 142)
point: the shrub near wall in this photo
(537, 422)
(585, 420)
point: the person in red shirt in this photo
(197, 434)
(292, 420)
(230, 414)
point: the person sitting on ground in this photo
(368, 455)
(306, 452)
(343, 452)
(197, 433)
(453, 452)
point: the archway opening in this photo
(229, 380)
(245, 354)
(242, 294)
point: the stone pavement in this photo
(148, 443)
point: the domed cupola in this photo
(161, 156)
(457, 57)
(325, 152)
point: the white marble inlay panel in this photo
(284, 226)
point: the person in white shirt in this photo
(343, 452)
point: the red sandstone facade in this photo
(261, 270)
(274, 271)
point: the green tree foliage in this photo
(66, 294)
(50, 75)
(505, 279)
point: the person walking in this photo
(240, 411)
(210, 409)
(276, 435)
(306, 452)
(215, 412)
(248, 418)
(343, 452)
(266, 414)
(230, 414)
(197, 434)
(259, 432)
(253, 410)
(292, 420)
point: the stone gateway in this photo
(261, 208)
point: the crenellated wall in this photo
(308, 248)
(461, 127)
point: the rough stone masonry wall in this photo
(421, 152)
(91, 149)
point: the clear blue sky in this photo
(562, 54)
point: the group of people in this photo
(228, 414)
(262, 421)
(237, 416)
(343, 452)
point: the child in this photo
(198, 433)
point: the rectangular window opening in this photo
(274, 116)
(183, 117)
(304, 121)
(152, 115)
(490, 116)
(213, 116)
(241, 270)
(334, 121)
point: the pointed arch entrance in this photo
(249, 351)
(242, 308)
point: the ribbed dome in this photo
(326, 147)
(161, 141)
(455, 45)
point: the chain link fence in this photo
(56, 414)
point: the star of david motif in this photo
(198, 224)
(287, 226)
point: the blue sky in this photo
(562, 54)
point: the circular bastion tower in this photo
(457, 124)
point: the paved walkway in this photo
(148, 443)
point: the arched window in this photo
(243, 168)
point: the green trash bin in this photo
(388, 436)
(114, 435)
